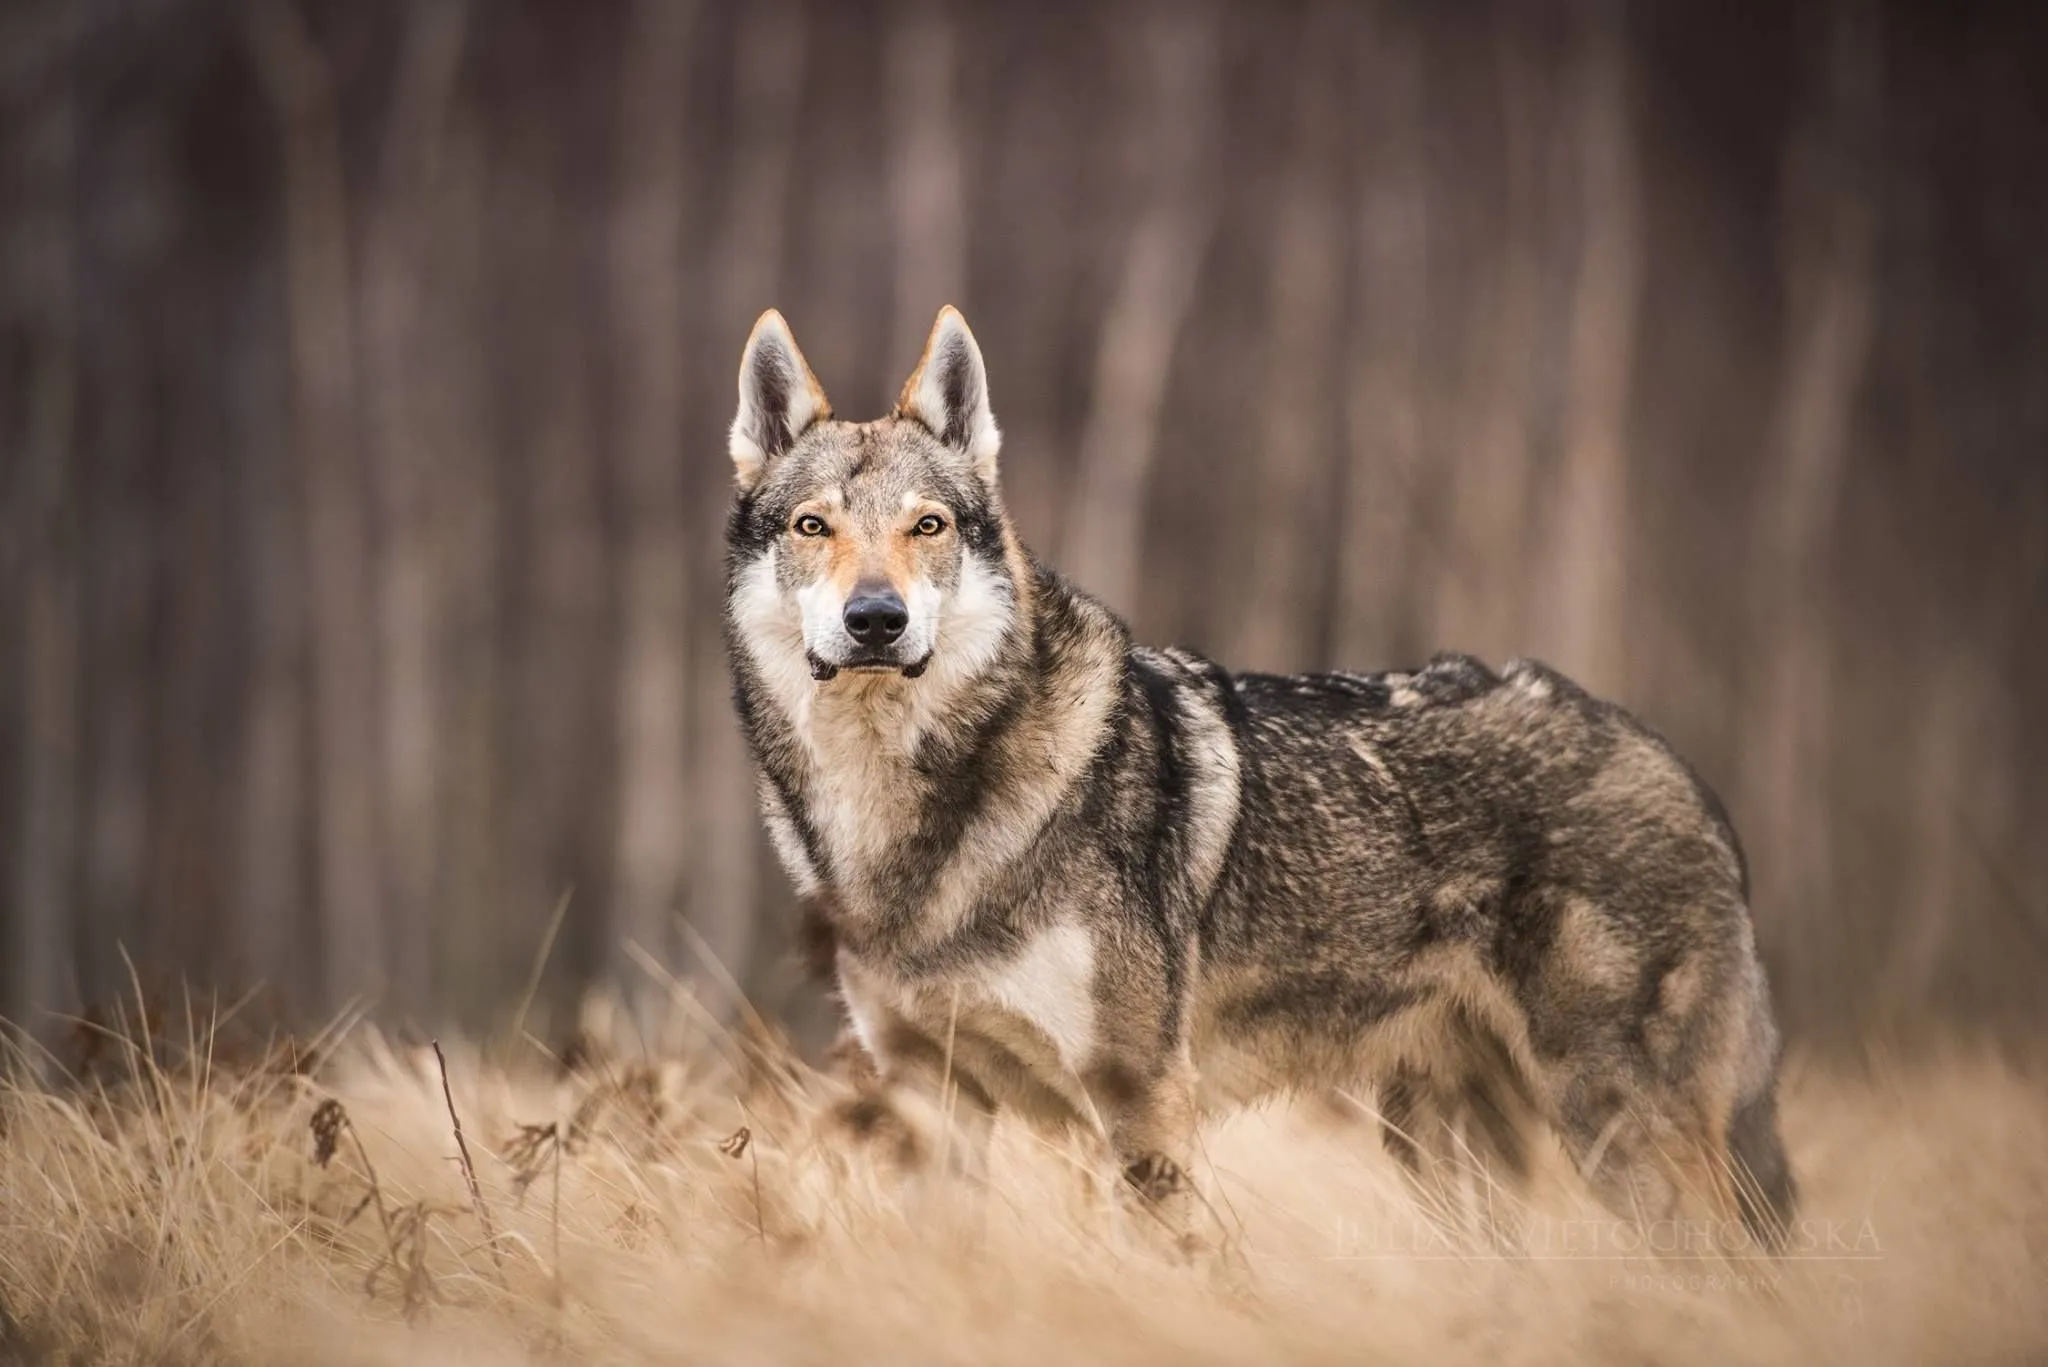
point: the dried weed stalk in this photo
(329, 1123)
(407, 1258)
(476, 1192)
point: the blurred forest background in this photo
(365, 364)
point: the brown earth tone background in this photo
(364, 368)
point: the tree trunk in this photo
(1589, 547)
(1288, 510)
(405, 369)
(1828, 262)
(647, 309)
(1153, 294)
(346, 745)
(1388, 390)
(36, 966)
(1478, 594)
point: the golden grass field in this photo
(173, 1209)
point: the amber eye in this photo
(931, 524)
(810, 524)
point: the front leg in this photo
(1141, 1080)
(1147, 1105)
(914, 1093)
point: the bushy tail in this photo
(1763, 1179)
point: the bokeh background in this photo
(364, 367)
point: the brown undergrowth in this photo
(163, 1202)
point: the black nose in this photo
(876, 617)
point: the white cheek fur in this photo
(773, 637)
(972, 623)
(824, 618)
(921, 600)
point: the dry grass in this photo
(700, 1208)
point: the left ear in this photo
(948, 393)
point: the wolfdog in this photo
(1116, 888)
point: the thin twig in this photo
(947, 1091)
(760, 1220)
(331, 1121)
(540, 960)
(555, 1223)
(476, 1192)
(376, 1188)
(740, 1144)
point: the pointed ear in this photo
(948, 393)
(779, 399)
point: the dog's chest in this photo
(1038, 1001)
(1049, 985)
(861, 790)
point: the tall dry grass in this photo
(167, 1204)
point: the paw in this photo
(1156, 1177)
(872, 1118)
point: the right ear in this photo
(779, 399)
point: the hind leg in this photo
(1461, 1142)
(1469, 1112)
(1651, 1158)
(1644, 1029)
(1419, 1129)
(1500, 1109)
(1764, 1189)
(1499, 1115)
(1648, 1127)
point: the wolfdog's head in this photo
(876, 548)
